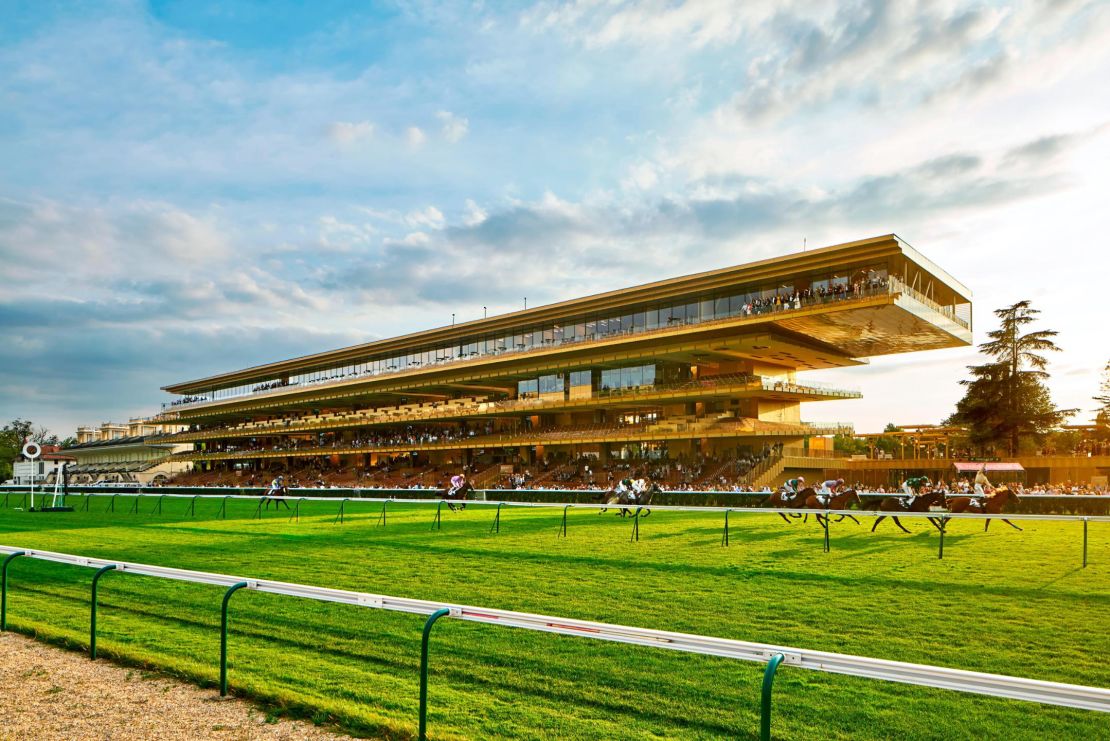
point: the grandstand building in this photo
(117, 453)
(712, 366)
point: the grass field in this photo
(1005, 602)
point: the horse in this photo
(457, 495)
(837, 502)
(279, 499)
(896, 504)
(778, 500)
(992, 505)
(626, 499)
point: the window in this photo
(630, 377)
(527, 388)
(551, 384)
(580, 378)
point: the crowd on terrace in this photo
(751, 303)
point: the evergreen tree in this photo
(1102, 414)
(1006, 399)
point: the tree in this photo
(12, 437)
(1006, 399)
(1102, 414)
(849, 444)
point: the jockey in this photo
(912, 488)
(829, 489)
(457, 483)
(627, 487)
(277, 487)
(982, 483)
(793, 486)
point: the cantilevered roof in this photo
(769, 269)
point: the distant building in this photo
(125, 453)
(43, 470)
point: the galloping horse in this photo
(626, 499)
(456, 495)
(778, 500)
(992, 505)
(922, 503)
(838, 502)
(278, 499)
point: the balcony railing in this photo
(440, 411)
(890, 286)
(641, 431)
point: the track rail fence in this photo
(636, 513)
(960, 680)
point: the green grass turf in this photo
(1005, 602)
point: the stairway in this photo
(767, 473)
(486, 477)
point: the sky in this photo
(193, 187)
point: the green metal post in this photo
(339, 517)
(6, 495)
(297, 510)
(88, 498)
(724, 535)
(23, 503)
(4, 588)
(381, 517)
(943, 527)
(112, 504)
(635, 527)
(496, 526)
(1084, 542)
(135, 507)
(565, 508)
(92, 608)
(423, 734)
(437, 524)
(222, 514)
(193, 506)
(768, 684)
(826, 531)
(258, 509)
(223, 634)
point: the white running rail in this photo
(994, 685)
(738, 509)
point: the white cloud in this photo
(474, 215)
(455, 128)
(415, 136)
(641, 176)
(430, 217)
(348, 132)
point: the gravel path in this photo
(50, 693)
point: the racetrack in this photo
(1006, 602)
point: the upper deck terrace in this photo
(620, 399)
(824, 308)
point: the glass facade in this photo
(623, 378)
(744, 300)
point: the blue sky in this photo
(190, 187)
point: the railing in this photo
(993, 685)
(554, 436)
(899, 286)
(485, 408)
(892, 286)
